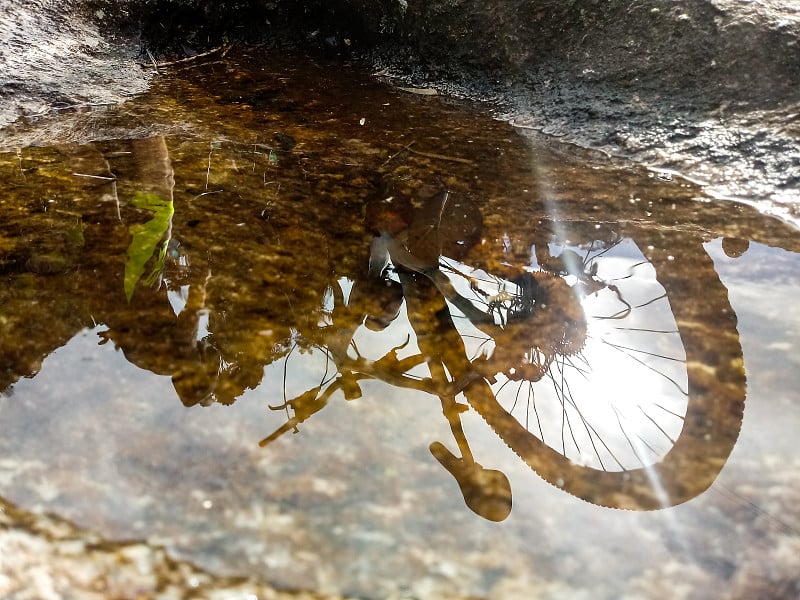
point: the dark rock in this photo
(714, 49)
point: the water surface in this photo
(300, 326)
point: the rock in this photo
(709, 50)
(714, 48)
(672, 85)
(54, 55)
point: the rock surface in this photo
(711, 51)
(53, 57)
(718, 50)
(45, 557)
(708, 88)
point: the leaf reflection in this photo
(148, 240)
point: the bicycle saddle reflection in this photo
(614, 373)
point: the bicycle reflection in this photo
(612, 368)
(520, 342)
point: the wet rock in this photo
(53, 57)
(707, 88)
(714, 49)
(44, 556)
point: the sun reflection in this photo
(612, 398)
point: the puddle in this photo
(303, 328)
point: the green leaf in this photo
(145, 239)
